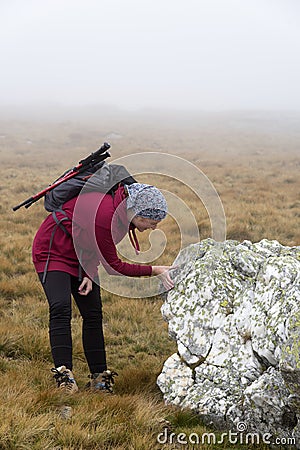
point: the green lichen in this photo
(291, 350)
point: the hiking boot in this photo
(102, 381)
(65, 379)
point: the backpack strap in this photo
(63, 228)
(59, 221)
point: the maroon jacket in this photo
(96, 230)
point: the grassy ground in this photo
(256, 172)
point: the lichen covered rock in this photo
(235, 315)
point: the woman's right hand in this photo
(86, 286)
(163, 273)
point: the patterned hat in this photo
(146, 201)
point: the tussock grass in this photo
(258, 182)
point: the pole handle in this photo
(26, 203)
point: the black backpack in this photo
(101, 177)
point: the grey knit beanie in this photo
(146, 201)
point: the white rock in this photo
(235, 314)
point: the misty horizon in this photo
(55, 112)
(131, 56)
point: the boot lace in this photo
(107, 380)
(63, 378)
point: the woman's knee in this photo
(60, 311)
(93, 317)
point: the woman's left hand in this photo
(85, 287)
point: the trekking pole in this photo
(89, 161)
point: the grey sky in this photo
(198, 54)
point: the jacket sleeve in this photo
(107, 255)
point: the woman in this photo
(101, 221)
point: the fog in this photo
(204, 55)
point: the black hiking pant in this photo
(58, 288)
